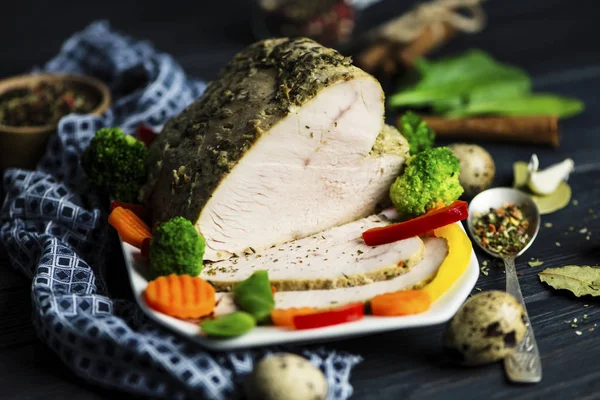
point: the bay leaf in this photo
(547, 204)
(555, 201)
(580, 280)
(520, 174)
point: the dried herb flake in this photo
(535, 263)
(502, 230)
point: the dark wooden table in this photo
(554, 40)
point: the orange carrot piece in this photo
(401, 303)
(273, 290)
(139, 209)
(130, 227)
(285, 317)
(181, 296)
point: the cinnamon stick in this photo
(387, 57)
(531, 129)
(371, 58)
(379, 59)
(426, 42)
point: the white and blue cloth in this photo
(55, 232)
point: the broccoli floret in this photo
(116, 164)
(176, 248)
(416, 131)
(430, 178)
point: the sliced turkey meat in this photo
(331, 259)
(287, 142)
(435, 253)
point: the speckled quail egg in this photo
(486, 328)
(285, 376)
(477, 167)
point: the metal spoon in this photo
(524, 364)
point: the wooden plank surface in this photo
(552, 39)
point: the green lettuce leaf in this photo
(456, 77)
(474, 83)
(532, 104)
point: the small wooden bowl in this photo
(23, 146)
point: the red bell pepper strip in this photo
(138, 209)
(145, 134)
(456, 211)
(348, 313)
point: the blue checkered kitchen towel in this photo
(54, 230)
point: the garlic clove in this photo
(546, 181)
(534, 164)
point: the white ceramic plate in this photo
(441, 311)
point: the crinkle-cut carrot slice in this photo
(181, 296)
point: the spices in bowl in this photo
(502, 230)
(31, 106)
(45, 103)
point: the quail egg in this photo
(486, 328)
(285, 376)
(477, 167)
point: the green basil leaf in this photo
(483, 92)
(456, 77)
(254, 295)
(230, 325)
(542, 104)
(445, 105)
(500, 90)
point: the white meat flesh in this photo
(334, 258)
(311, 171)
(436, 251)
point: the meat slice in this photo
(288, 141)
(335, 258)
(435, 253)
